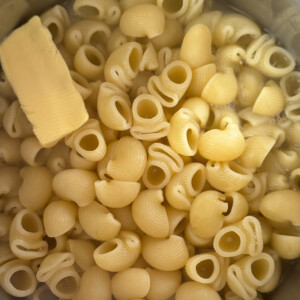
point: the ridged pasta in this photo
(12, 206)
(116, 40)
(124, 216)
(149, 60)
(177, 220)
(286, 246)
(125, 4)
(166, 55)
(58, 159)
(290, 86)
(9, 149)
(81, 84)
(252, 118)
(57, 244)
(194, 239)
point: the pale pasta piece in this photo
(5, 222)
(290, 86)
(130, 284)
(277, 182)
(220, 112)
(119, 253)
(81, 84)
(252, 118)
(17, 279)
(196, 47)
(6, 89)
(83, 252)
(9, 149)
(292, 112)
(86, 31)
(185, 185)
(170, 86)
(42, 292)
(290, 131)
(163, 284)
(295, 179)
(88, 141)
(57, 244)
(165, 56)
(142, 20)
(32, 152)
(75, 185)
(10, 181)
(250, 83)
(15, 121)
(235, 29)
(149, 60)
(194, 239)
(59, 217)
(125, 4)
(281, 206)
(122, 66)
(115, 193)
(56, 20)
(124, 216)
(3, 107)
(79, 162)
(109, 134)
(168, 254)
(195, 290)
(221, 88)
(149, 121)
(266, 228)
(106, 10)
(286, 246)
(25, 236)
(270, 101)
(12, 206)
(139, 86)
(5, 253)
(41, 178)
(98, 222)
(94, 284)
(206, 213)
(177, 220)
(155, 223)
(243, 237)
(256, 150)
(116, 40)
(184, 132)
(114, 107)
(89, 62)
(200, 78)
(58, 159)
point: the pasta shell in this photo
(190, 289)
(171, 9)
(177, 220)
(252, 118)
(292, 112)
(59, 217)
(194, 239)
(290, 86)
(124, 216)
(287, 246)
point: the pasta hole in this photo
(155, 175)
(191, 139)
(67, 285)
(53, 28)
(230, 242)
(177, 74)
(172, 6)
(245, 40)
(89, 142)
(96, 38)
(29, 223)
(295, 112)
(297, 182)
(92, 57)
(147, 109)
(21, 280)
(134, 59)
(279, 60)
(259, 268)
(205, 268)
(51, 242)
(196, 180)
(229, 201)
(88, 11)
(107, 247)
(292, 85)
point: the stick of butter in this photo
(42, 82)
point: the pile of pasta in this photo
(185, 180)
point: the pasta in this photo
(149, 60)
(286, 246)
(9, 149)
(10, 181)
(290, 86)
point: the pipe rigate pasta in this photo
(125, 4)
(165, 56)
(155, 222)
(118, 253)
(177, 220)
(57, 244)
(9, 149)
(10, 181)
(149, 59)
(124, 216)
(220, 112)
(290, 86)
(59, 158)
(194, 239)
(292, 112)
(81, 84)
(286, 246)
(168, 254)
(143, 20)
(252, 118)
(116, 40)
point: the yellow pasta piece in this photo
(43, 85)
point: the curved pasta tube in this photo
(115, 193)
(116, 40)
(290, 86)
(256, 150)
(194, 239)
(218, 113)
(56, 20)
(41, 178)
(79, 162)
(177, 220)
(224, 144)
(98, 222)
(106, 10)
(25, 236)
(230, 56)
(124, 216)
(221, 88)
(290, 131)
(143, 20)
(119, 253)
(9, 149)
(206, 213)
(292, 112)
(281, 206)
(81, 84)
(133, 283)
(5, 222)
(235, 29)
(252, 118)
(57, 244)
(170, 86)
(140, 82)
(6, 254)
(270, 101)
(184, 132)
(88, 141)
(17, 278)
(58, 159)
(243, 237)
(250, 84)
(10, 181)
(122, 66)
(12, 206)
(185, 185)
(59, 217)
(3, 107)
(286, 246)
(149, 60)
(75, 185)
(114, 107)
(149, 121)
(190, 289)
(200, 78)
(196, 47)
(82, 32)
(165, 254)
(155, 223)
(94, 283)
(163, 284)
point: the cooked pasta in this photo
(149, 60)
(290, 86)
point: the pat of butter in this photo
(42, 82)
